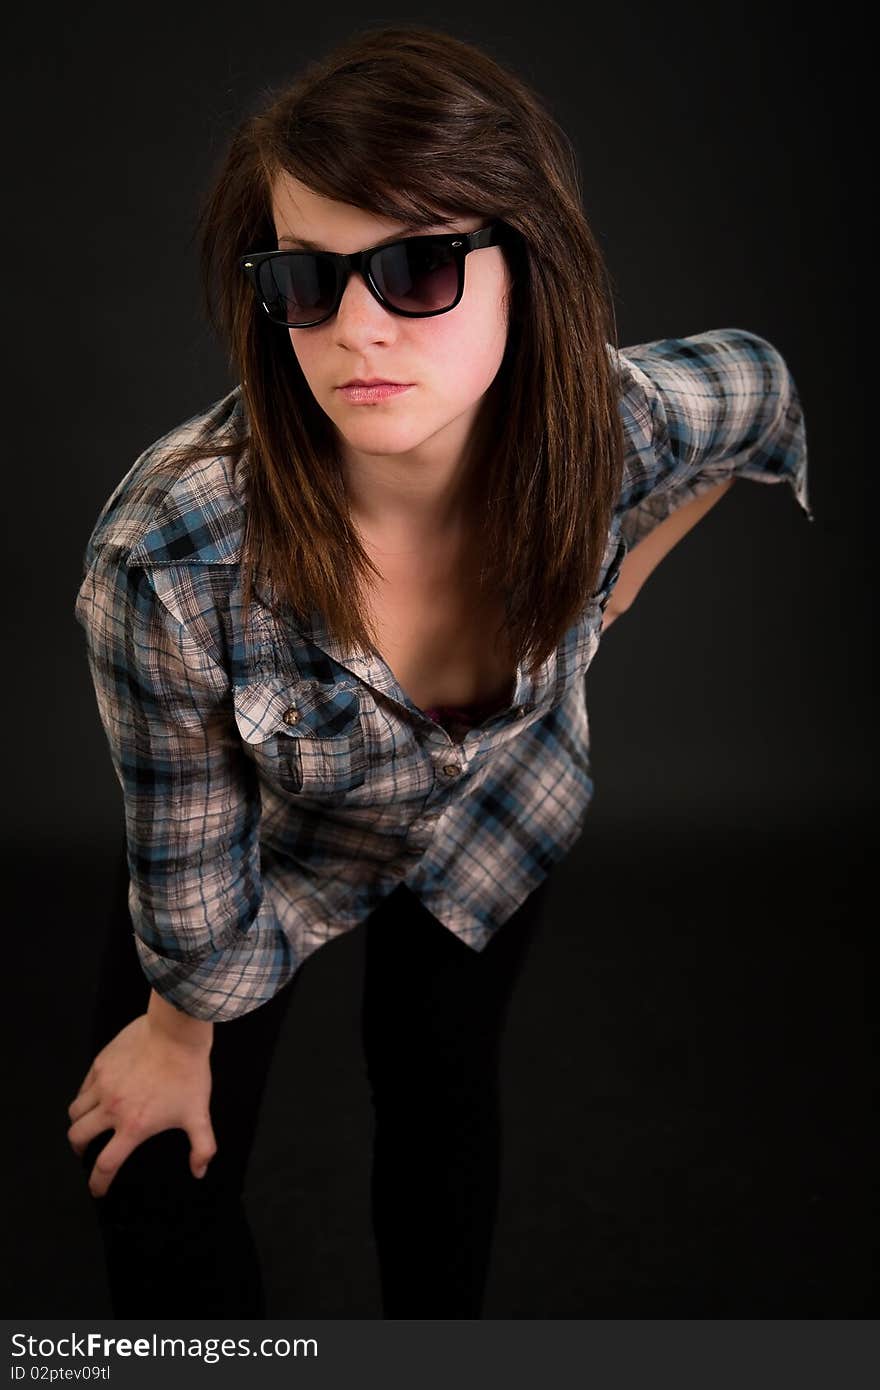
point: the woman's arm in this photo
(180, 1027)
(646, 555)
(207, 937)
(699, 410)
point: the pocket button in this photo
(291, 715)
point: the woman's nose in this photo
(358, 303)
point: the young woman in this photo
(338, 625)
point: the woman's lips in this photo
(363, 395)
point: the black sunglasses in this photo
(418, 276)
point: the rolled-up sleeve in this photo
(207, 938)
(700, 410)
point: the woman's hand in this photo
(144, 1081)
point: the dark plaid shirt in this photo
(276, 786)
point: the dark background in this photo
(686, 1064)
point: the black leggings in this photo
(432, 1020)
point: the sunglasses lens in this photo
(297, 289)
(420, 276)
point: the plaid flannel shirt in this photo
(276, 787)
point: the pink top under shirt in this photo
(457, 719)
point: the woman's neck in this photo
(428, 498)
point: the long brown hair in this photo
(413, 124)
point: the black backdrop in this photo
(686, 1061)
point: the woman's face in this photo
(451, 359)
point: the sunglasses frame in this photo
(462, 243)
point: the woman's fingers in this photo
(139, 1085)
(203, 1145)
(83, 1101)
(86, 1126)
(88, 1081)
(111, 1159)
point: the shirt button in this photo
(518, 711)
(451, 769)
(291, 715)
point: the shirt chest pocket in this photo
(305, 738)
